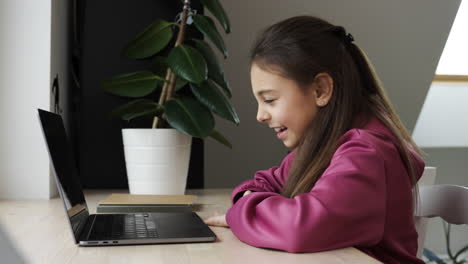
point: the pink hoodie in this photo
(363, 200)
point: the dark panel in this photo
(104, 29)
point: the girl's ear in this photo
(323, 89)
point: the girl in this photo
(351, 176)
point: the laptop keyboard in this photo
(135, 226)
(128, 226)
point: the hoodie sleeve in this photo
(271, 180)
(346, 207)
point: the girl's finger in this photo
(219, 220)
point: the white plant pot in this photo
(157, 160)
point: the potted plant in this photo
(181, 91)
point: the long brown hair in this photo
(299, 48)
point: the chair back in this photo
(450, 202)
(427, 179)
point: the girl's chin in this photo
(290, 145)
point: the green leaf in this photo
(180, 83)
(187, 63)
(215, 72)
(206, 26)
(135, 84)
(219, 80)
(149, 42)
(218, 11)
(212, 97)
(189, 117)
(159, 67)
(137, 108)
(216, 135)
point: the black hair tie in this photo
(345, 37)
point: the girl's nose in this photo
(262, 116)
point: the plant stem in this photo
(447, 230)
(162, 97)
(179, 41)
(168, 87)
(172, 82)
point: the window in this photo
(440, 122)
(453, 64)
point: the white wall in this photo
(24, 87)
(441, 122)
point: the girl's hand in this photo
(218, 220)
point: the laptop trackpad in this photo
(183, 224)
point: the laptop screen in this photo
(66, 174)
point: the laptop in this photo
(111, 229)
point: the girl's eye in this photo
(268, 101)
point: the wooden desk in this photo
(40, 231)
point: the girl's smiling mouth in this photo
(281, 132)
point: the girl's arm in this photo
(271, 180)
(345, 208)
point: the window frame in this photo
(450, 78)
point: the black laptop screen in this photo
(66, 174)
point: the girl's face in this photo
(283, 105)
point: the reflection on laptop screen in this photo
(66, 174)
